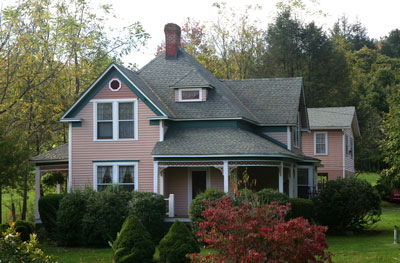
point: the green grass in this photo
(372, 178)
(78, 254)
(6, 205)
(374, 245)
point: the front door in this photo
(199, 182)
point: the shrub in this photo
(25, 229)
(48, 207)
(177, 243)
(301, 207)
(197, 206)
(252, 234)
(268, 195)
(4, 227)
(150, 209)
(133, 243)
(347, 205)
(69, 217)
(104, 215)
(14, 250)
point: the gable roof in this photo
(220, 141)
(334, 118)
(274, 101)
(162, 74)
(131, 79)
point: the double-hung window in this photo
(115, 120)
(320, 143)
(123, 174)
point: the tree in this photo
(49, 51)
(390, 45)
(355, 35)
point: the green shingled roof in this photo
(333, 118)
(274, 101)
(219, 141)
(58, 154)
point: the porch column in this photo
(226, 177)
(291, 191)
(155, 178)
(162, 183)
(37, 194)
(281, 178)
(295, 182)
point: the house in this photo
(331, 139)
(175, 129)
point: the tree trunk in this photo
(1, 205)
(25, 197)
(14, 216)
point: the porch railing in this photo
(170, 205)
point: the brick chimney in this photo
(172, 40)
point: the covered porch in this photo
(184, 180)
(53, 161)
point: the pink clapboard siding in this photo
(279, 136)
(349, 160)
(176, 182)
(85, 150)
(333, 162)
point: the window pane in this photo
(302, 176)
(104, 130)
(104, 174)
(104, 111)
(190, 94)
(126, 175)
(126, 111)
(320, 138)
(320, 148)
(126, 129)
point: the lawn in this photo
(6, 205)
(372, 178)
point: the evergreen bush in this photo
(71, 211)
(150, 208)
(177, 243)
(348, 204)
(48, 208)
(25, 229)
(104, 215)
(268, 195)
(133, 243)
(301, 207)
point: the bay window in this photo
(115, 120)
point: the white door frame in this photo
(311, 181)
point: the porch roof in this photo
(220, 141)
(58, 155)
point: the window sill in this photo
(320, 154)
(112, 140)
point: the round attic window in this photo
(114, 84)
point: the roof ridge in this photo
(187, 74)
(151, 62)
(233, 80)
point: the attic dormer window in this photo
(114, 84)
(190, 94)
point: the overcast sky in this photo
(379, 17)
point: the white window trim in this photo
(188, 100)
(115, 119)
(297, 134)
(115, 166)
(208, 180)
(310, 175)
(315, 143)
(109, 85)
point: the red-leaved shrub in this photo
(249, 234)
